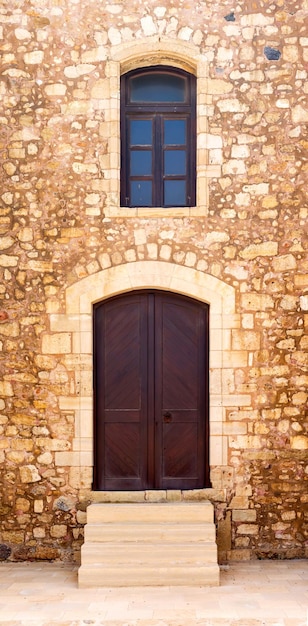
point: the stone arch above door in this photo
(75, 326)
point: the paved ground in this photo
(267, 593)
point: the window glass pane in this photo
(175, 163)
(141, 193)
(174, 132)
(157, 88)
(140, 163)
(141, 132)
(175, 192)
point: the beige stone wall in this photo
(66, 243)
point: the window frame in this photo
(158, 112)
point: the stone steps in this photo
(151, 512)
(154, 553)
(149, 544)
(98, 576)
(165, 531)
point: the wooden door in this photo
(151, 392)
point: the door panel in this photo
(180, 391)
(121, 393)
(151, 388)
(179, 459)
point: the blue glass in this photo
(174, 132)
(141, 193)
(141, 132)
(175, 192)
(140, 163)
(175, 163)
(157, 87)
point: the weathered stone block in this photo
(58, 343)
(29, 474)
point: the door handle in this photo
(167, 417)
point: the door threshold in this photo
(160, 495)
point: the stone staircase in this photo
(149, 544)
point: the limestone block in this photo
(232, 105)
(6, 389)
(245, 442)
(290, 53)
(38, 506)
(8, 261)
(8, 198)
(174, 495)
(45, 458)
(13, 455)
(22, 33)
(34, 58)
(22, 504)
(92, 198)
(10, 329)
(271, 414)
(22, 444)
(248, 529)
(156, 496)
(75, 71)
(29, 474)
(95, 55)
(13, 536)
(37, 266)
(239, 502)
(266, 248)
(299, 114)
(299, 442)
(218, 86)
(234, 167)
(16, 152)
(284, 263)
(81, 517)
(289, 303)
(256, 19)
(55, 89)
(71, 459)
(245, 340)
(239, 555)
(288, 516)
(39, 532)
(58, 530)
(84, 168)
(301, 280)
(234, 428)
(209, 141)
(165, 252)
(257, 302)
(148, 25)
(303, 300)
(256, 76)
(249, 515)
(25, 234)
(240, 152)
(58, 343)
(140, 236)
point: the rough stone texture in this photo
(59, 181)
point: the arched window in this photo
(158, 138)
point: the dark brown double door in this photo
(151, 392)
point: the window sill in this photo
(155, 212)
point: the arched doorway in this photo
(151, 392)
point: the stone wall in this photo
(61, 229)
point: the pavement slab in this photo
(254, 593)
